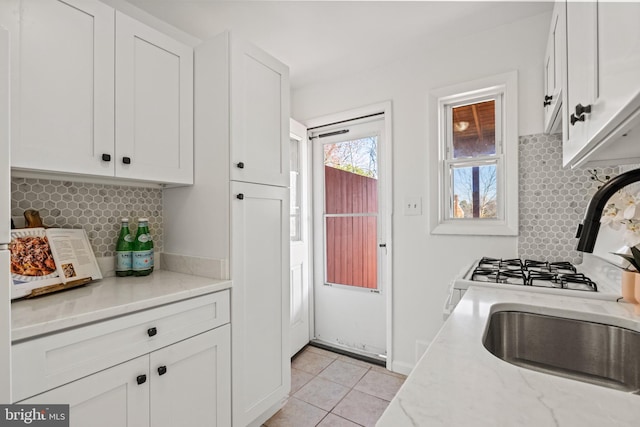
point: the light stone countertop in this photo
(458, 382)
(106, 298)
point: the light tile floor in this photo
(331, 390)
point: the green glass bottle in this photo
(142, 251)
(123, 250)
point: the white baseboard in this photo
(402, 367)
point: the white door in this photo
(5, 278)
(299, 234)
(154, 104)
(62, 84)
(259, 116)
(115, 397)
(349, 236)
(261, 368)
(191, 383)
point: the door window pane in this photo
(295, 195)
(474, 130)
(351, 208)
(351, 176)
(474, 191)
(352, 251)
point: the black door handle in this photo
(581, 109)
(575, 119)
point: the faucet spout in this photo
(588, 230)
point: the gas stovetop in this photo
(559, 275)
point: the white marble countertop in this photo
(458, 382)
(103, 299)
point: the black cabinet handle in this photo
(106, 157)
(240, 196)
(240, 165)
(126, 160)
(581, 109)
(152, 332)
(545, 103)
(548, 98)
(162, 370)
(575, 119)
(141, 379)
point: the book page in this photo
(32, 263)
(73, 254)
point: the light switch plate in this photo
(413, 205)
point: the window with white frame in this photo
(474, 130)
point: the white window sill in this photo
(482, 227)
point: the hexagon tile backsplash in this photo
(553, 200)
(97, 208)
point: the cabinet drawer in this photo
(50, 361)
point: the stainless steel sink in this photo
(595, 353)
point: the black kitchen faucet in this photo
(588, 230)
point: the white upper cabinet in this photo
(95, 92)
(553, 66)
(62, 85)
(259, 116)
(603, 97)
(154, 104)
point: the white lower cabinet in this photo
(260, 302)
(178, 377)
(109, 398)
(190, 381)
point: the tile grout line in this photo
(346, 360)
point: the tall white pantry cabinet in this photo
(238, 211)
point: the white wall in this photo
(424, 264)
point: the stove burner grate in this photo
(532, 273)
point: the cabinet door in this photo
(619, 64)
(154, 104)
(552, 70)
(191, 381)
(260, 299)
(109, 398)
(259, 116)
(62, 85)
(582, 73)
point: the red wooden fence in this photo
(351, 247)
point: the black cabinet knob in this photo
(240, 165)
(106, 157)
(581, 109)
(126, 160)
(575, 119)
(141, 379)
(162, 370)
(152, 332)
(548, 98)
(240, 196)
(545, 103)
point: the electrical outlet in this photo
(413, 205)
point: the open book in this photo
(46, 260)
